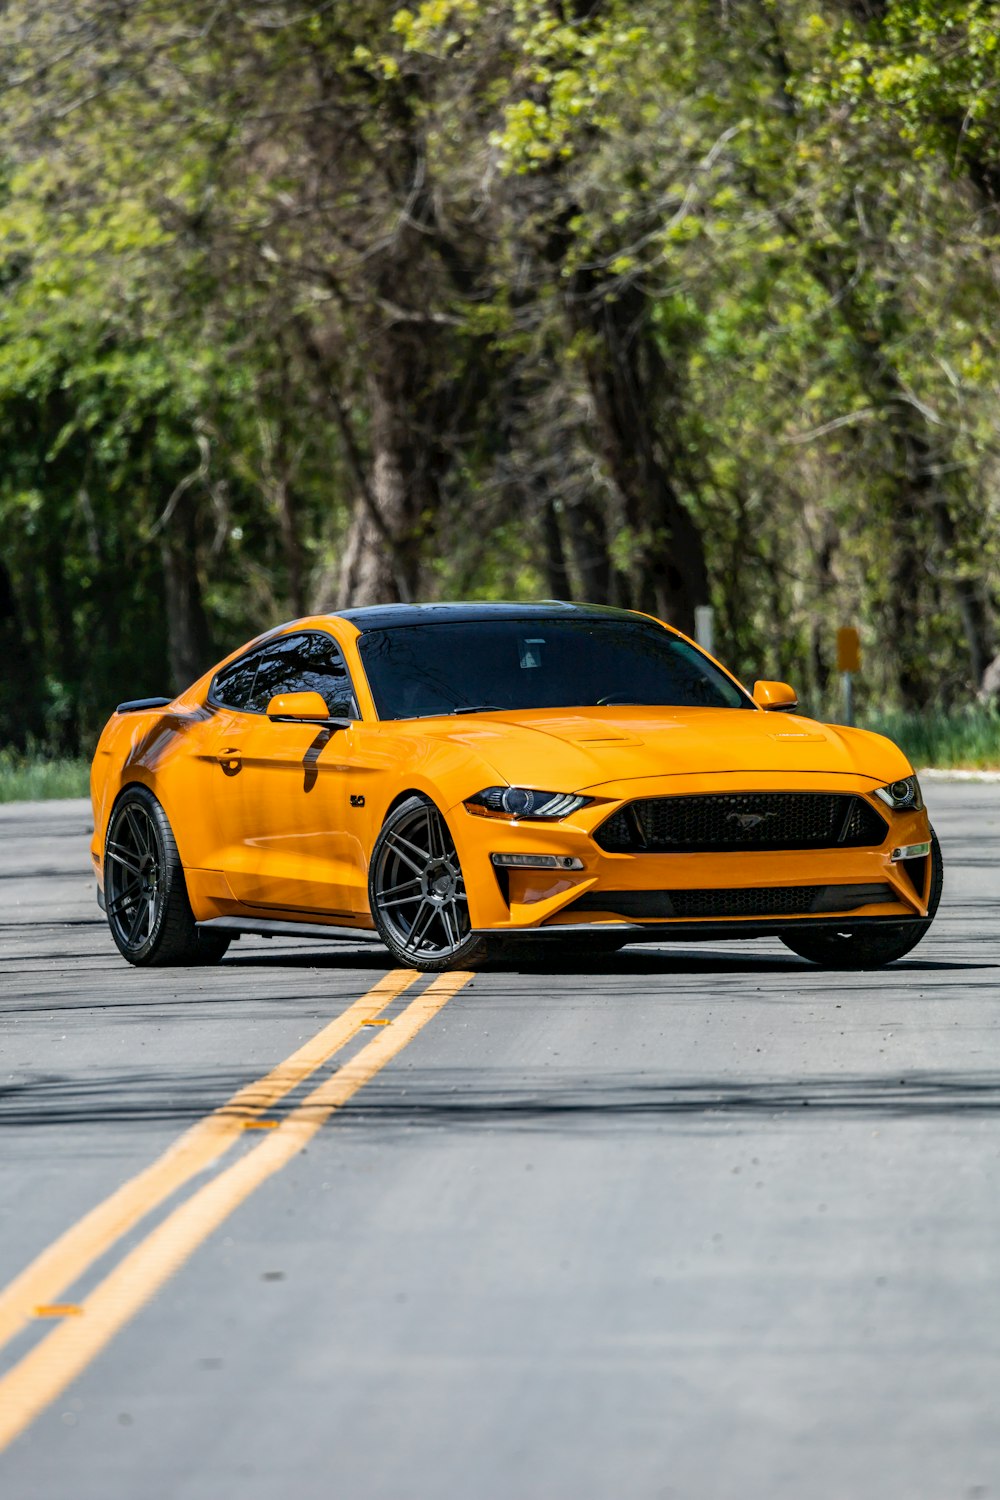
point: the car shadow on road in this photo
(674, 962)
(632, 961)
(329, 956)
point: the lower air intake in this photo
(750, 901)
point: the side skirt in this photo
(265, 927)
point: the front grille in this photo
(754, 821)
(748, 901)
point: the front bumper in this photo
(735, 893)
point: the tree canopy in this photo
(662, 304)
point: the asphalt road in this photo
(693, 1223)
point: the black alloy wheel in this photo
(870, 947)
(417, 892)
(145, 895)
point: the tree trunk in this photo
(626, 375)
(20, 710)
(189, 641)
(381, 562)
(292, 546)
(556, 565)
(65, 643)
(587, 528)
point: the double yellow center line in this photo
(52, 1364)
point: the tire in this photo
(145, 894)
(870, 947)
(416, 892)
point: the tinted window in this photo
(419, 670)
(304, 664)
(233, 685)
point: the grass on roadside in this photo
(38, 778)
(962, 739)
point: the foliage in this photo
(307, 306)
(966, 739)
(38, 777)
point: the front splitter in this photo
(696, 932)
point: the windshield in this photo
(417, 671)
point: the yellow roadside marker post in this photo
(848, 662)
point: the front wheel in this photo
(145, 895)
(417, 893)
(870, 947)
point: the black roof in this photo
(377, 616)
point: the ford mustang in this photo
(459, 778)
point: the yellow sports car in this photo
(456, 776)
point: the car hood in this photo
(572, 750)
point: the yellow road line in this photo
(48, 1369)
(60, 1264)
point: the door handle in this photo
(230, 759)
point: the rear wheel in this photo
(870, 947)
(417, 892)
(145, 896)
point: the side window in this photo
(305, 664)
(233, 685)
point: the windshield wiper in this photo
(479, 708)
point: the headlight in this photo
(902, 796)
(522, 802)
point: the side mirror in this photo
(776, 697)
(303, 708)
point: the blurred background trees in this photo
(648, 302)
